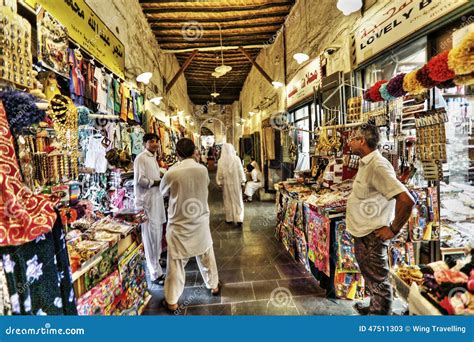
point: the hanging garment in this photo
(148, 197)
(25, 216)
(110, 94)
(76, 81)
(117, 99)
(318, 241)
(95, 155)
(39, 276)
(137, 141)
(101, 100)
(125, 94)
(269, 136)
(5, 305)
(188, 232)
(231, 176)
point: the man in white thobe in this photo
(188, 232)
(148, 196)
(231, 177)
(255, 181)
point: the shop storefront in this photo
(426, 135)
(71, 128)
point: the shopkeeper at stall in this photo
(148, 196)
(377, 209)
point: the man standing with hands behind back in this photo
(378, 207)
(148, 196)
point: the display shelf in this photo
(145, 303)
(419, 305)
(87, 266)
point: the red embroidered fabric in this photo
(23, 215)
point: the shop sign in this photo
(301, 85)
(395, 21)
(89, 31)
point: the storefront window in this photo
(302, 136)
(404, 60)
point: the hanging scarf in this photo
(23, 215)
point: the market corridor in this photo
(258, 276)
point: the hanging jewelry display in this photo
(63, 113)
(354, 109)
(15, 53)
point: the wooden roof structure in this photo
(189, 25)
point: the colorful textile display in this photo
(28, 216)
(346, 260)
(455, 65)
(318, 241)
(103, 298)
(349, 285)
(38, 275)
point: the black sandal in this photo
(160, 280)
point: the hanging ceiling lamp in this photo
(349, 6)
(215, 94)
(144, 77)
(156, 100)
(300, 57)
(222, 69)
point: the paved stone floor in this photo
(258, 276)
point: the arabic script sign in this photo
(301, 85)
(89, 31)
(395, 21)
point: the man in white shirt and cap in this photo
(378, 207)
(231, 177)
(148, 196)
(188, 233)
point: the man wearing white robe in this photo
(255, 181)
(148, 196)
(231, 177)
(188, 231)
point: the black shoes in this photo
(361, 310)
(160, 280)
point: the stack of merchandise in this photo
(446, 286)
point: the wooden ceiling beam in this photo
(178, 26)
(207, 34)
(180, 71)
(194, 45)
(218, 9)
(277, 15)
(257, 66)
(244, 39)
